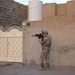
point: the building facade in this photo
(58, 19)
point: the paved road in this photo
(18, 69)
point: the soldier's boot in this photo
(42, 67)
(47, 66)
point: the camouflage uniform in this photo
(45, 54)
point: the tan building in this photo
(59, 20)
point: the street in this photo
(19, 69)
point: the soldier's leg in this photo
(47, 65)
(42, 59)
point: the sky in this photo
(44, 1)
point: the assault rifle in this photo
(40, 36)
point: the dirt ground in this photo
(20, 69)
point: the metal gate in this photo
(11, 45)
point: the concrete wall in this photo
(49, 10)
(59, 20)
(62, 30)
(53, 9)
(61, 9)
(71, 8)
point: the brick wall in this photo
(12, 13)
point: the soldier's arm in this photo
(44, 41)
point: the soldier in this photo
(45, 54)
